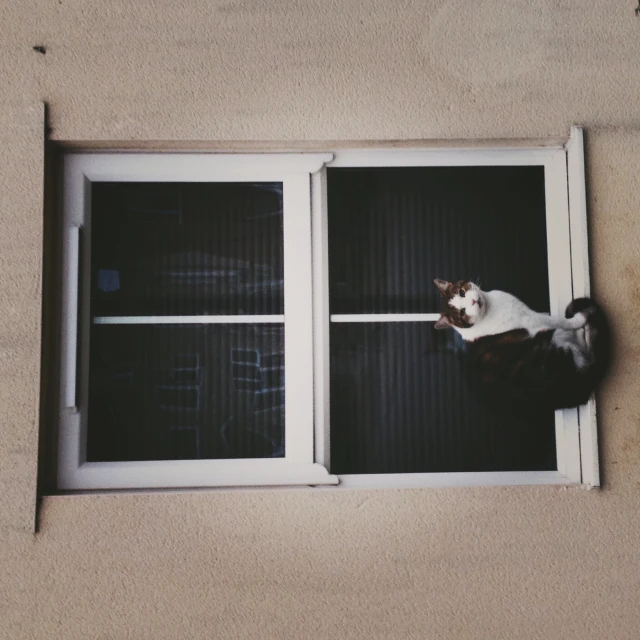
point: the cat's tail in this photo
(597, 335)
(586, 305)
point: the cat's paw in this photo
(578, 321)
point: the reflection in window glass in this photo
(165, 392)
(393, 230)
(161, 390)
(401, 403)
(186, 249)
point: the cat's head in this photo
(464, 304)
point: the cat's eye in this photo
(462, 293)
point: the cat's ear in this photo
(443, 285)
(442, 323)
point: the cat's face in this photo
(465, 304)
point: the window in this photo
(267, 319)
(187, 347)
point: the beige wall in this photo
(466, 564)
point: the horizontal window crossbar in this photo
(385, 317)
(275, 319)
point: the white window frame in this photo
(306, 317)
(568, 269)
(297, 466)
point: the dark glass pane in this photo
(393, 230)
(163, 392)
(400, 403)
(186, 249)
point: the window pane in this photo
(186, 249)
(393, 230)
(163, 392)
(400, 403)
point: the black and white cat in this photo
(524, 356)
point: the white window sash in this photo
(559, 246)
(297, 466)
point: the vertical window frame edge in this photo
(560, 295)
(578, 217)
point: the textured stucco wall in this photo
(467, 564)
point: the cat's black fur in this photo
(514, 371)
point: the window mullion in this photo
(321, 334)
(197, 319)
(298, 333)
(385, 317)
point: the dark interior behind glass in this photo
(186, 391)
(401, 400)
(186, 249)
